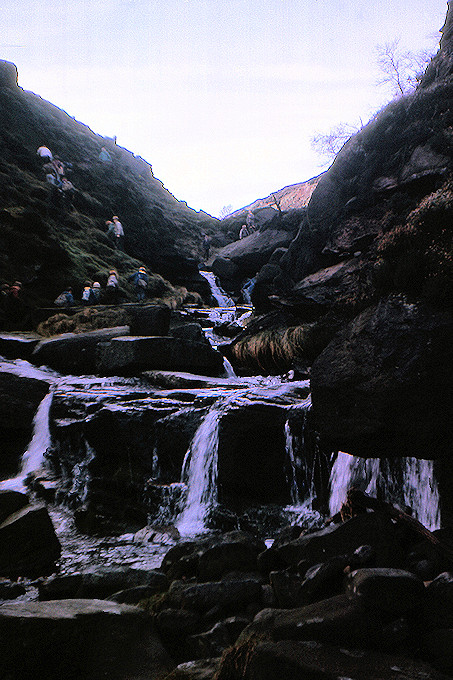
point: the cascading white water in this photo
(404, 481)
(229, 370)
(294, 489)
(218, 294)
(199, 472)
(421, 492)
(34, 455)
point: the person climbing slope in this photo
(140, 279)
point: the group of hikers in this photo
(249, 227)
(94, 294)
(56, 173)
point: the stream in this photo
(403, 482)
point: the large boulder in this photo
(101, 583)
(294, 660)
(383, 385)
(90, 639)
(74, 352)
(333, 540)
(28, 543)
(242, 259)
(129, 355)
(18, 345)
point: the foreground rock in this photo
(330, 610)
(294, 660)
(74, 639)
(103, 583)
(74, 352)
(129, 356)
(28, 543)
(384, 383)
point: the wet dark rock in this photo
(28, 543)
(213, 642)
(334, 540)
(311, 660)
(438, 610)
(212, 557)
(236, 551)
(135, 595)
(11, 502)
(438, 646)
(173, 380)
(74, 352)
(149, 319)
(286, 586)
(77, 639)
(129, 356)
(176, 624)
(103, 582)
(18, 345)
(10, 590)
(191, 332)
(229, 597)
(258, 427)
(380, 385)
(200, 669)
(338, 620)
(390, 590)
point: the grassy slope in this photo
(47, 246)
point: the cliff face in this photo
(46, 243)
(369, 278)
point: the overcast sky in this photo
(222, 97)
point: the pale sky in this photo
(222, 97)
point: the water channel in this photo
(404, 482)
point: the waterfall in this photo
(294, 488)
(403, 481)
(218, 294)
(199, 472)
(34, 455)
(421, 492)
(229, 370)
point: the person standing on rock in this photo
(112, 290)
(140, 280)
(118, 232)
(206, 246)
(250, 221)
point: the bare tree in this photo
(225, 211)
(401, 70)
(328, 144)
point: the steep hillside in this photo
(292, 197)
(363, 294)
(48, 243)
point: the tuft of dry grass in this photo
(271, 350)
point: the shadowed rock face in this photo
(372, 260)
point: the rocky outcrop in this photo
(383, 385)
(77, 639)
(131, 355)
(372, 261)
(246, 257)
(28, 543)
(74, 352)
